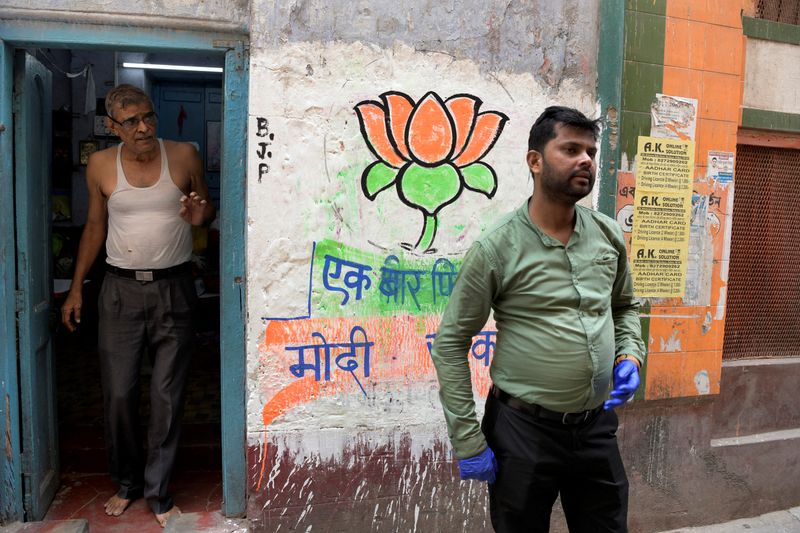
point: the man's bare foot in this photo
(116, 505)
(163, 517)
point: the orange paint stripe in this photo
(296, 393)
(399, 353)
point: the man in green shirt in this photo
(556, 277)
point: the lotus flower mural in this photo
(430, 151)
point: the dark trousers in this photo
(137, 316)
(539, 459)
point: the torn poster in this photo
(673, 117)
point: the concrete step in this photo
(787, 521)
(207, 522)
(50, 526)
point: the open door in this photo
(32, 154)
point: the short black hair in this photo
(544, 129)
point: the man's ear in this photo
(111, 125)
(534, 159)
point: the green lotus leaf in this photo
(377, 177)
(429, 188)
(480, 177)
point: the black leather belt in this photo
(152, 274)
(541, 412)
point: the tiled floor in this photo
(85, 484)
(82, 495)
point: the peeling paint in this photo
(720, 312)
(672, 344)
(702, 383)
(706, 323)
(503, 36)
(612, 123)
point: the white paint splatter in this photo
(305, 484)
(359, 489)
(300, 518)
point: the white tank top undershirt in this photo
(144, 229)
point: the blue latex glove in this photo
(626, 380)
(482, 467)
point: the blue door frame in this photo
(20, 34)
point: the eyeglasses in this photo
(149, 119)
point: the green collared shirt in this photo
(563, 313)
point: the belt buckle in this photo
(585, 417)
(144, 275)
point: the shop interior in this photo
(189, 107)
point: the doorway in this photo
(80, 434)
(187, 105)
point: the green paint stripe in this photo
(633, 125)
(770, 120)
(645, 34)
(609, 94)
(412, 285)
(771, 31)
(656, 7)
(640, 83)
(643, 72)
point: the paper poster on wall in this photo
(673, 117)
(626, 195)
(661, 216)
(720, 166)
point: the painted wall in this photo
(714, 440)
(346, 277)
(340, 267)
(703, 59)
(690, 50)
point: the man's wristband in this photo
(624, 356)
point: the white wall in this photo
(772, 76)
(307, 90)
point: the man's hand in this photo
(482, 467)
(626, 380)
(193, 209)
(72, 306)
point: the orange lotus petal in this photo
(399, 106)
(463, 108)
(486, 131)
(373, 126)
(430, 131)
